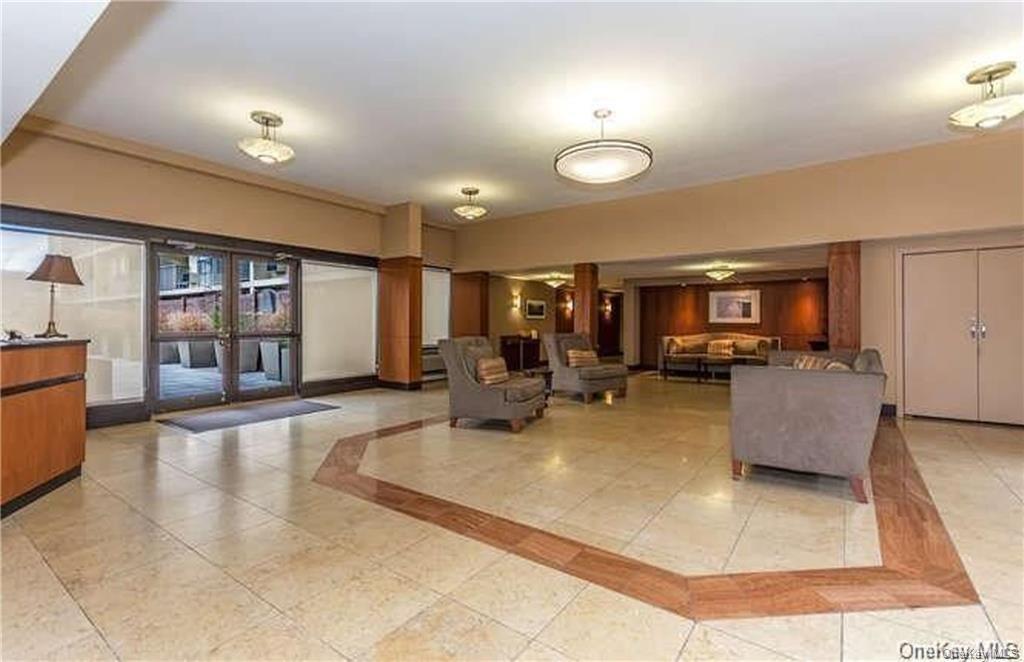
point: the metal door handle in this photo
(982, 329)
(972, 328)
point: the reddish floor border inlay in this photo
(920, 565)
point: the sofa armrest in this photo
(822, 421)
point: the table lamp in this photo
(55, 269)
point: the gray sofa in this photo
(820, 421)
(514, 401)
(587, 380)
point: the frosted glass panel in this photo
(107, 310)
(339, 321)
(437, 289)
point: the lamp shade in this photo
(56, 269)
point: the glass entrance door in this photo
(188, 361)
(265, 329)
(223, 327)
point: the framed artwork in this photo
(536, 309)
(734, 307)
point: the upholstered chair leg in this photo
(517, 424)
(621, 393)
(737, 469)
(540, 412)
(588, 398)
(453, 422)
(859, 487)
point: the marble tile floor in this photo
(219, 546)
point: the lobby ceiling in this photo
(691, 268)
(395, 102)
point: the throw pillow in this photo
(579, 358)
(490, 371)
(673, 346)
(838, 365)
(720, 347)
(810, 362)
(696, 347)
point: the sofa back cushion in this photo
(578, 358)
(720, 347)
(750, 347)
(491, 370)
(868, 360)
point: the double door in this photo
(223, 327)
(963, 341)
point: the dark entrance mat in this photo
(232, 416)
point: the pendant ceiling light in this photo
(266, 148)
(470, 211)
(994, 108)
(719, 272)
(603, 161)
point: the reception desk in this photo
(42, 418)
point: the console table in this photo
(520, 353)
(42, 427)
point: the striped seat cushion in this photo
(579, 358)
(491, 371)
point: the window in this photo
(107, 309)
(339, 321)
(437, 292)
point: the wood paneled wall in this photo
(470, 303)
(795, 310)
(400, 330)
(609, 326)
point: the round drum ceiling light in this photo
(603, 161)
(266, 149)
(470, 211)
(994, 108)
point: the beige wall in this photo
(504, 320)
(881, 283)
(438, 247)
(49, 172)
(961, 185)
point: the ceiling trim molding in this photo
(69, 133)
(741, 278)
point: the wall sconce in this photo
(568, 305)
(517, 301)
(606, 307)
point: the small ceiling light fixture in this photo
(555, 280)
(603, 161)
(470, 211)
(266, 148)
(719, 272)
(994, 108)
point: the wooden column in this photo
(844, 295)
(470, 303)
(585, 306)
(400, 303)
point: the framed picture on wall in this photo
(734, 307)
(536, 309)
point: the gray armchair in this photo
(513, 401)
(587, 380)
(819, 421)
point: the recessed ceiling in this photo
(396, 102)
(612, 274)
